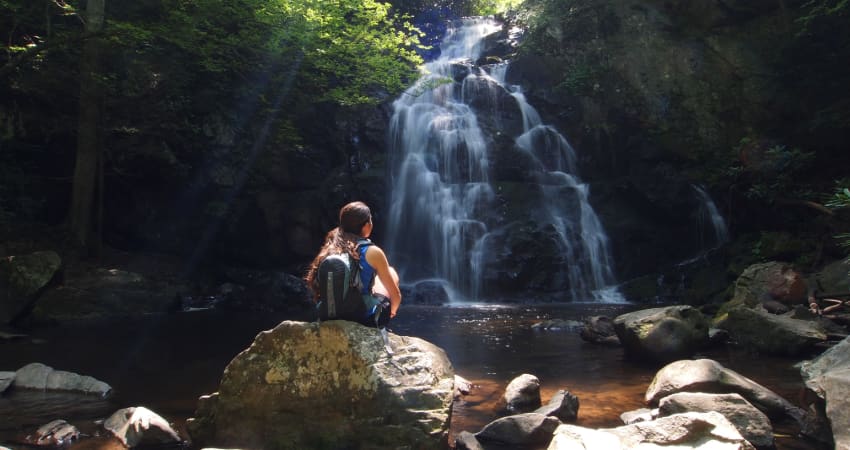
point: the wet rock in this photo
(662, 334)
(137, 425)
(519, 430)
(556, 325)
(563, 405)
(522, 394)
(828, 376)
(776, 335)
(23, 279)
(599, 330)
(639, 415)
(55, 433)
(6, 379)
(706, 375)
(688, 430)
(428, 292)
(40, 376)
(753, 424)
(345, 385)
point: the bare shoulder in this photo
(375, 253)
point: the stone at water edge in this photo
(56, 433)
(137, 424)
(303, 385)
(563, 405)
(689, 430)
(520, 429)
(523, 394)
(662, 334)
(42, 377)
(707, 375)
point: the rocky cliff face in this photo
(655, 97)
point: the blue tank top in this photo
(367, 272)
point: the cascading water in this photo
(443, 219)
(709, 216)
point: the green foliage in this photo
(841, 199)
(579, 79)
(344, 51)
(488, 7)
(816, 12)
(765, 170)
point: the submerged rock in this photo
(303, 385)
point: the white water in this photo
(441, 191)
(709, 217)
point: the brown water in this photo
(166, 362)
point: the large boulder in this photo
(771, 280)
(828, 376)
(753, 424)
(688, 430)
(304, 385)
(769, 333)
(22, 279)
(706, 375)
(662, 334)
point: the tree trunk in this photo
(88, 132)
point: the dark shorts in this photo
(379, 314)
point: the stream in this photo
(165, 362)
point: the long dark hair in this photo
(342, 239)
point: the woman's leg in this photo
(379, 287)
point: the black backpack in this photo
(340, 287)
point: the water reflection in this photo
(166, 362)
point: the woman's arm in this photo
(387, 282)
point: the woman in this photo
(379, 279)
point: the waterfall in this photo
(709, 215)
(442, 200)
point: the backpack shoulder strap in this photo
(363, 242)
